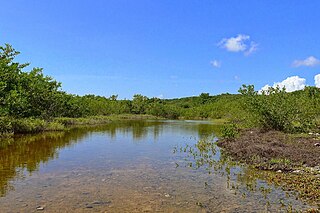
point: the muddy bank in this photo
(294, 158)
(274, 150)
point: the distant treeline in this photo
(31, 94)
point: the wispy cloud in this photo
(291, 84)
(308, 62)
(240, 43)
(215, 63)
(253, 48)
(317, 80)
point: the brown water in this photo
(130, 166)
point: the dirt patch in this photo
(274, 150)
(296, 158)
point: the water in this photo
(131, 166)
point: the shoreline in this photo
(291, 161)
(14, 126)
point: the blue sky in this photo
(166, 48)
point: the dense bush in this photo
(279, 110)
(28, 125)
(229, 131)
(5, 125)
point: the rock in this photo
(40, 208)
(317, 144)
(279, 171)
(89, 206)
(96, 202)
(310, 133)
(166, 195)
(296, 171)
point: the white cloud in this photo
(317, 80)
(160, 96)
(215, 63)
(264, 88)
(308, 62)
(253, 48)
(291, 84)
(240, 43)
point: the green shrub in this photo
(28, 125)
(54, 126)
(5, 125)
(229, 131)
(279, 110)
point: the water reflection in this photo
(22, 155)
(128, 166)
(25, 153)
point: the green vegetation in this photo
(229, 132)
(275, 109)
(33, 102)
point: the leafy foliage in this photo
(31, 94)
(229, 132)
(278, 110)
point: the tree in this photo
(25, 94)
(139, 104)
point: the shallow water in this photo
(130, 166)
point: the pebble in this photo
(166, 195)
(279, 171)
(40, 208)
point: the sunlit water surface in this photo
(129, 166)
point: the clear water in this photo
(130, 166)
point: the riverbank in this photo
(11, 126)
(294, 158)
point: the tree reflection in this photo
(24, 154)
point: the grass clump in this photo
(5, 126)
(28, 125)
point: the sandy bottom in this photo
(140, 188)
